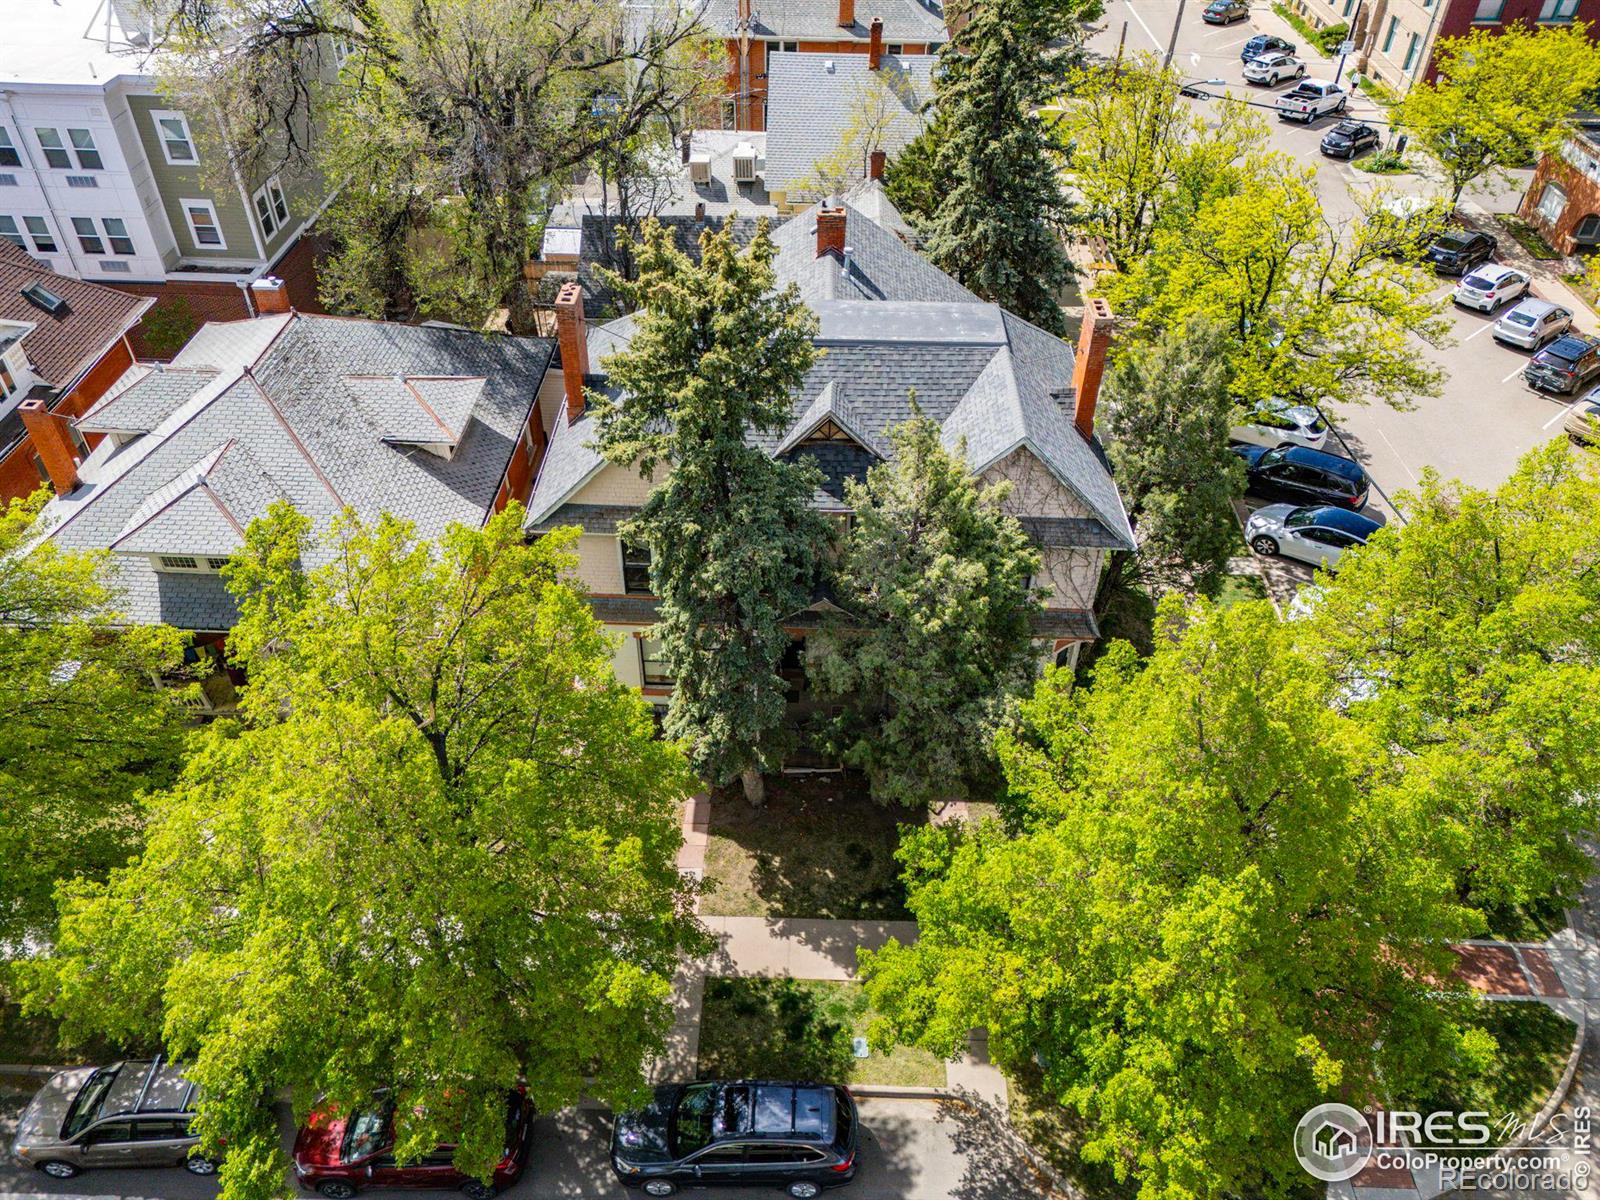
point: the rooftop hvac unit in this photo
(744, 163)
(699, 168)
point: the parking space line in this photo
(1512, 376)
(1484, 328)
(1564, 413)
(1154, 41)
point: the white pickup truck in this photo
(1310, 99)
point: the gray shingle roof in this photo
(903, 20)
(812, 99)
(895, 326)
(142, 405)
(279, 418)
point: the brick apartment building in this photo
(1563, 199)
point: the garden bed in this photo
(1529, 238)
(757, 1028)
(819, 847)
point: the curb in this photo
(889, 1091)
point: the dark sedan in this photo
(1565, 365)
(1348, 139)
(1265, 43)
(797, 1136)
(1225, 12)
(1459, 250)
(1301, 475)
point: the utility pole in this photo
(1116, 70)
(1172, 46)
(1349, 40)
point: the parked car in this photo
(797, 1136)
(1405, 227)
(1225, 12)
(1310, 99)
(339, 1156)
(1565, 365)
(1315, 534)
(1459, 250)
(1301, 475)
(1580, 423)
(1490, 286)
(128, 1114)
(1531, 324)
(1277, 422)
(1349, 138)
(1265, 43)
(1273, 69)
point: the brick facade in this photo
(19, 472)
(1563, 200)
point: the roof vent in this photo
(828, 66)
(699, 168)
(42, 297)
(744, 163)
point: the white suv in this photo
(1271, 423)
(1531, 324)
(1487, 287)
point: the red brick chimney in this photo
(830, 232)
(877, 160)
(573, 336)
(875, 47)
(1093, 342)
(269, 295)
(847, 13)
(52, 438)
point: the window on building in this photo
(635, 569)
(83, 146)
(178, 562)
(894, 48)
(1489, 10)
(8, 383)
(204, 227)
(9, 231)
(1587, 231)
(1552, 203)
(88, 236)
(55, 153)
(1349, 7)
(271, 207)
(176, 142)
(1558, 10)
(43, 240)
(1388, 38)
(653, 668)
(9, 156)
(1411, 52)
(117, 235)
(790, 47)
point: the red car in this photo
(340, 1156)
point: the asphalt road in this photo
(911, 1150)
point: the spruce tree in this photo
(997, 227)
(716, 355)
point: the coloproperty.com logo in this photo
(1467, 1150)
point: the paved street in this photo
(912, 1150)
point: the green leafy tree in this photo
(1168, 408)
(1467, 639)
(911, 177)
(997, 227)
(436, 855)
(1314, 310)
(83, 731)
(934, 579)
(1195, 922)
(1499, 98)
(715, 356)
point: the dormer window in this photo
(191, 563)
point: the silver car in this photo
(1274, 422)
(129, 1114)
(1531, 324)
(1315, 534)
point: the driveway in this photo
(910, 1150)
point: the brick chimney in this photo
(877, 160)
(1093, 342)
(847, 13)
(875, 47)
(573, 336)
(52, 438)
(269, 296)
(685, 143)
(830, 232)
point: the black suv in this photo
(1457, 252)
(1264, 43)
(1302, 475)
(1348, 139)
(797, 1136)
(1564, 365)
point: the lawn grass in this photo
(819, 847)
(1529, 238)
(1378, 92)
(800, 1029)
(1237, 588)
(1533, 1044)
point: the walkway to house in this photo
(797, 948)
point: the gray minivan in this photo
(129, 1114)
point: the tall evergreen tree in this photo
(935, 579)
(997, 225)
(715, 356)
